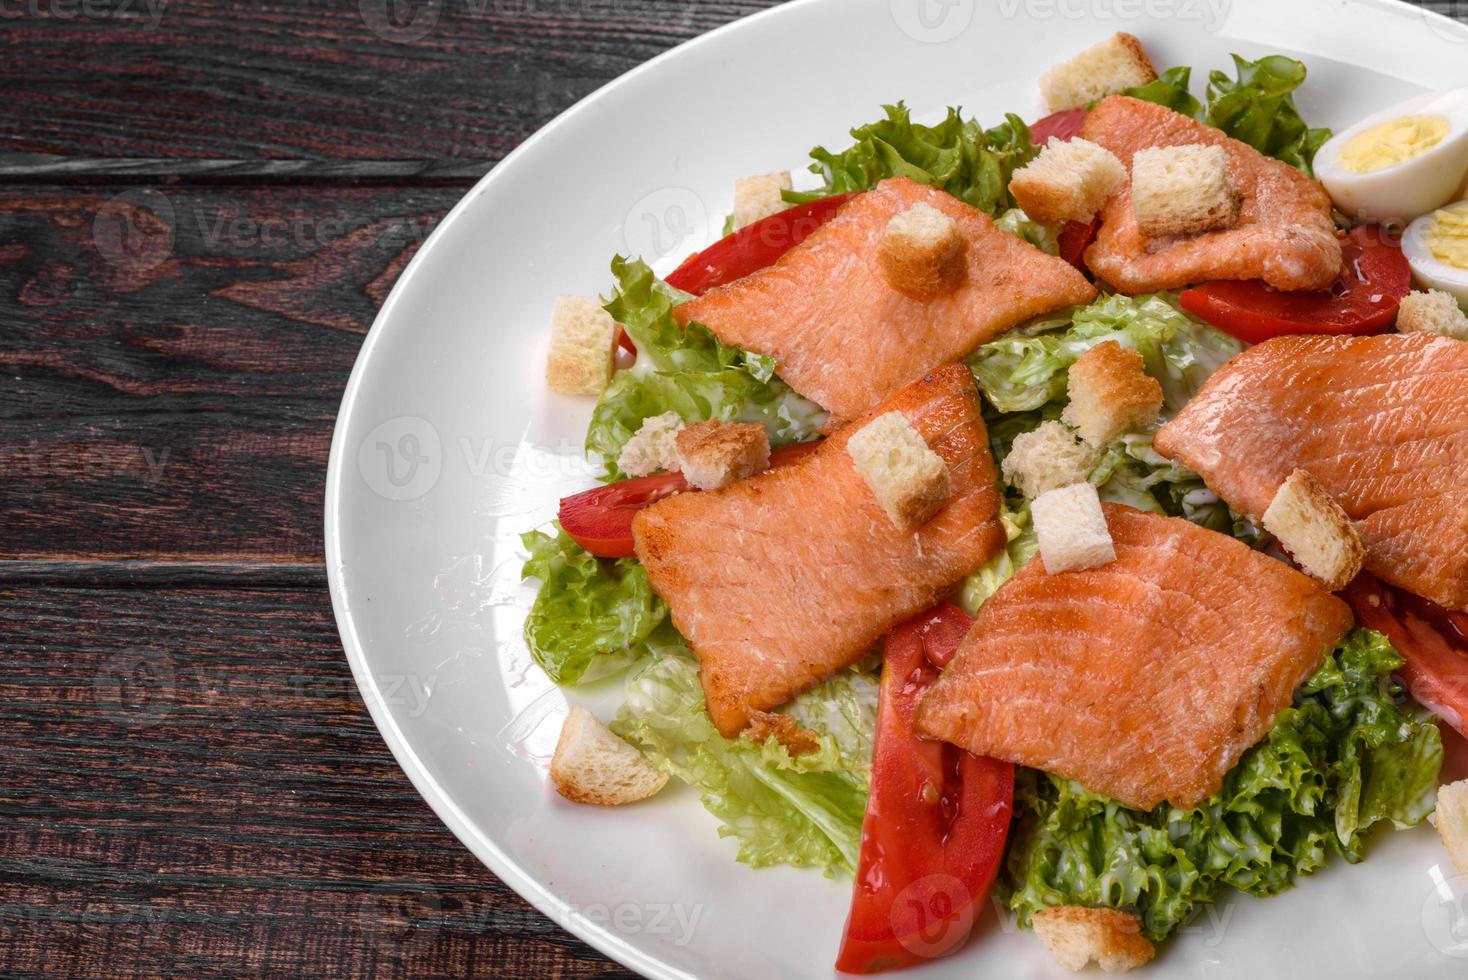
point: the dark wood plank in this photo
(460, 80)
(191, 787)
(175, 358)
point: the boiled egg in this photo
(1399, 163)
(1436, 247)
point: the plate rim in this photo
(482, 847)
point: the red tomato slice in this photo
(1433, 641)
(1063, 125)
(1074, 238)
(753, 247)
(936, 820)
(600, 519)
(1374, 277)
(624, 341)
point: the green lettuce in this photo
(688, 371)
(590, 613)
(804, 810)
(957, 155)
(1026, 368)
(1256, 107)
(1343, 759)
(1020, 547)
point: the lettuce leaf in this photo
(803, 810)
(688, 371)
(1256, 107)
(590, 613)
(1344, 758)
(1026, 368)
(956, 155)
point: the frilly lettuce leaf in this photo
(590, 613)
(804, 810)
(1256, 107)
(688, 371)
(956, 155)
(1344, 758)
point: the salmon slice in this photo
(1381, 422)
(1285, 234)
(846, 339)
(779, 581)
(1144, 679)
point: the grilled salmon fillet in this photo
(779, 581)
(1144, 679)
(846, 339)
(1381, 422)
(1284, 236)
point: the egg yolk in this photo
(1447, 236)
(1393, 142)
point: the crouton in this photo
(1434, 311)
(922, 252)
(1072, 529)
(1110, 393)
(1313, 527)
(909, 480)
(592, 765)
(785, 730)
(1452, 822)
(1069, 181)
(1183, 190)
(583, 340)
(654, 446)
(1076, 936)
(1049, 457)
(716, 454)
(759, 197)
(1115, 65)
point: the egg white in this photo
(1428, 271)
(1401, 192)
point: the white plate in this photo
(448, 446)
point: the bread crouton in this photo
(922, 252)
(1070, 180)
(1114, 65)
(1313, 527)
(1433, 311)
(653, 447)
(909, 480)
(1072, 529)
(592, 765)
(1050, 456)
(583, 341)
(1077, 936)
(1452, 822)
(1110, 393)
(715, 454)
(1183, 190)
(759, 197)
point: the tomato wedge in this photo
(600, 519)
(1374, 278)
(753, 247)
(1063, 125)
(1432, 640)
(936, 820)
(1074, 238)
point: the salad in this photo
(1058, 512)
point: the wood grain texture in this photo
(191, 787)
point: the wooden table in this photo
(204, 203)
(200, 215)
